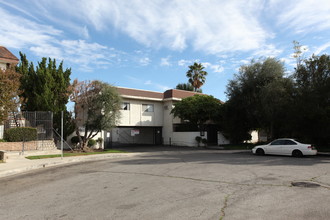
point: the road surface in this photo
(173, 183)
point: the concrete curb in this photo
(21, 165)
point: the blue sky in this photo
(150, 44)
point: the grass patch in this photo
(73, 154)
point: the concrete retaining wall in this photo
(30, 145)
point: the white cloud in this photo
(165, 61)
(322, 48)
(84, 32)
(17, 32)
(148, 82)
(210, 26)
(87, 56)
(245, 62)
(47, 41)
(216, 68)
(184, 62)
(304, 16)
(156, 86)
(162, 87)
(145, 61)
(267, 51)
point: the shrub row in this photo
(91, 142)
(20, 134)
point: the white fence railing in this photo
(2, 129)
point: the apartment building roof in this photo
(144, 94)
(178, 94)
(126, 92)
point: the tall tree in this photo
(187, 87)
(298, 52)
(96, 108)
(312, 101)
(252, 93)
(197, 110)
(196, 75)
(9, 92)
(45, 88)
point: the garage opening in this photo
(134, 136)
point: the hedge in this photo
(91, 143)
(20, 134)
(75, 141)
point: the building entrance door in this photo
(212, 135)
(158, 136)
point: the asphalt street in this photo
(173, 183)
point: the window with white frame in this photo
(125, 106)
(147, 107)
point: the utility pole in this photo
(62, 135)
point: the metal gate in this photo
(42, 121)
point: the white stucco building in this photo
(146, 119)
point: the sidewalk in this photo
(17, 163)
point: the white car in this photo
(285, 146)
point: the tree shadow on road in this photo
(167, 155)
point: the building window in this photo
(125, 106)
(147, 107)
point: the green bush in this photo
(75, 140)
(99, 140)
(91, 143)
(20, 134)
(198, 139)
(2, 140)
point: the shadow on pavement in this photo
(179, 154)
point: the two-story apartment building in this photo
(146, 119)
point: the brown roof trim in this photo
(180, 94)
(175, 94)
(6, 56)
(139, 93)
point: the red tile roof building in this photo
(7, 58)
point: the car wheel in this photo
(260, 152)
(297, 153)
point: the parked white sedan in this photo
(285, 146)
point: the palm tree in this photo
(196, 75)
(187, 87)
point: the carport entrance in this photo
(136, 135)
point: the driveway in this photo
(173, 183)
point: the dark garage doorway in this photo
(212, 135)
